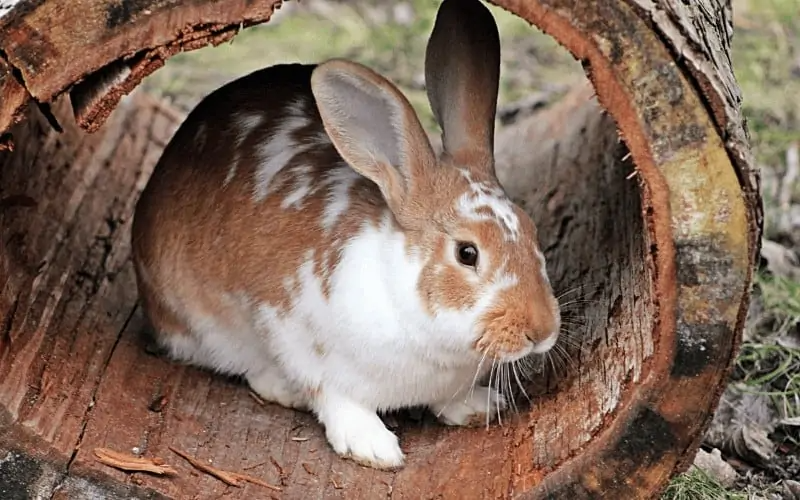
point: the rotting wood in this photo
(648, 251)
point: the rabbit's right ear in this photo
(462, 73)
(373, 127)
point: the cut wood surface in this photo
(658, 232)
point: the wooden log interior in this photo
(648, 210)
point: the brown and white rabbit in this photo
(300, 231)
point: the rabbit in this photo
(299, 231)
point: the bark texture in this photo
(654, 235)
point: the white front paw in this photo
(478, 406)
(359, 434)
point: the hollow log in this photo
(641, 182)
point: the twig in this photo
(251, 467)
(277, 466)
(132, 463)
(227, 477)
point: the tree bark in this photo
(653, 237)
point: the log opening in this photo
(660, 243)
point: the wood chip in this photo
(308, 469)
(132, 463)
(299, 439)
(336, 485)
(230, 478)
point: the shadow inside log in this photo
(568, 168)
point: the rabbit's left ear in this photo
(462, 73)
(373, 127)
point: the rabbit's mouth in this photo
(545, 345)
(509, 336)
(504, 345)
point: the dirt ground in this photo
(752, 449)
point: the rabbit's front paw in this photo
(359, 434)
(476, 407)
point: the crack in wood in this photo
(92, 401)
(8, 324)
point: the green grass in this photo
(697, 485)
(764, 366)
(781, 298)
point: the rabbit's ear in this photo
(462, 71)
(373, 127)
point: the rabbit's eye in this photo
(467, 254)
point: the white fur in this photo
(341, 181)
(542, 264)
(303, 187)
(244, 123)
(493, 198)
(547, 344)
(7, 6)
(459, 411)
(279, 149)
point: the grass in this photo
(696, 485)
(764, 366)
(781, 298)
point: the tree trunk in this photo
(654, 235)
